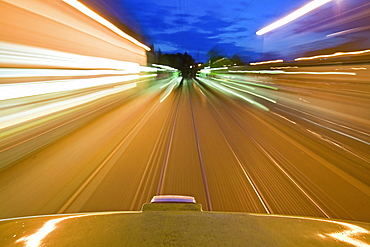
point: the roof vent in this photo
(173, 199)
(172, 203)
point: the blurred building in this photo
(60, 26)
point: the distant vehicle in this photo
(180, 221)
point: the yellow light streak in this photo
(85, 10)
(334, 55)
(292, 16)
(267, 62)
(287, 119)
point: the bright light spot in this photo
(34, 240)
(346, 235)
(292, 16)
(82, 8)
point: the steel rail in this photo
(202, 167)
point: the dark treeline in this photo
(187, 64)
(183, 62)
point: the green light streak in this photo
(248, 87)
(221, 88)
(257, 95)
(250, 83)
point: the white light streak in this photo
(267, 62)
(17, 90)
(23, 55)
(165, 85)
(85, 10)
(17, 118)
(165, 67)
(352, 30)
(21, 73)
(334, 55)
(291, 73)
(170, 90)
(292, 16)
(222, 88)
(257, 95)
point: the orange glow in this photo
(292, 16)
(334, 55)
(85, 10)
(266, 62)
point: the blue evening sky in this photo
(196, 27)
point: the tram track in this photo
(185, 140)
(160, 189)
(262, 200)
(148, 182)
(168, 149)
(204, 174)
(130, 135)
(267, 154)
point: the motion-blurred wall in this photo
(55, 25)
